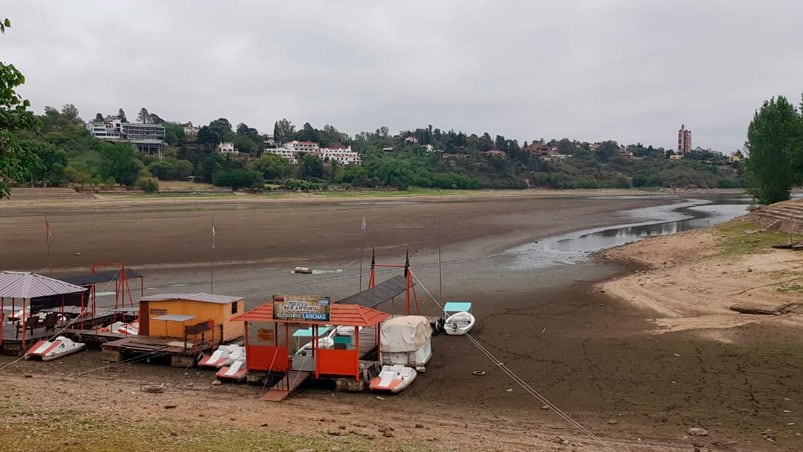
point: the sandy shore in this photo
(690, 285)
(592, 350)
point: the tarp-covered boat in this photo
(406, 340)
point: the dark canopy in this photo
(101, 277)
(382, 292)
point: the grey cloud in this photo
(631, 71)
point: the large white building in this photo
(148, 138)
(290, 151)
(344, 156)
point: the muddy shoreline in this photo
(590, 354)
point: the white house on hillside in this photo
(227, 147)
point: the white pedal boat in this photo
(458, 323)
(48, 350)
(236, 371)
(393, 378)
(225, 355)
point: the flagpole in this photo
(362, 246)
(47, 237)
(440, 269)
(212, 260)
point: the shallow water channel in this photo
(576, 247)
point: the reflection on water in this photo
(653, 221)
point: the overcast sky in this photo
(592, 70)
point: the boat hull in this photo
(393, 378)
(237, 371)
(48, 350)
(225, 355)
(459, 323)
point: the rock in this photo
(422, 425)
(697, 431)
(613, 422)
(333, 432)
(758, 309)
(216, 383)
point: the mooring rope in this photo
(532, 391)
(518, 380)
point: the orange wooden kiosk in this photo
(267, 340)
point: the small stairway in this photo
(287, 384)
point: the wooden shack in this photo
(173, 315)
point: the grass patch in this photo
(396, 193)
(737, 238)
(790, 288)
(59, 430)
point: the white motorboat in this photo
(48, 350)
(458, 323)
(393, 378)
(225, 355)
(236, 371)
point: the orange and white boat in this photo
(124, 328)
(393, 378)
(236, 371)
(48, 350)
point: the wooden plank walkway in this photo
(282, 389)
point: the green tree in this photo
(121, 115)
(283, 131)
(774, 147)
(47, 163)
(70, 112)
(120, 163)
(14, 115)
(310, 166)
(143, 117)
(273, 166)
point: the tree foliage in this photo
(774, 140)
(14, 115)
(273, 167)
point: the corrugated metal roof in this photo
(175, 317)
(31, 285)
(339, 314)
(205, 297)
(382, 292)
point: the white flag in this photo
(363, 225)
(213, 236)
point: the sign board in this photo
(301, 307)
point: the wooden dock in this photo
(180, 353)
(11, 342)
